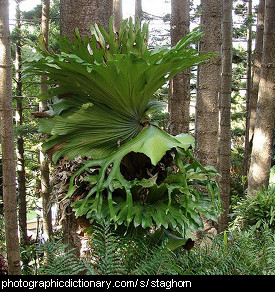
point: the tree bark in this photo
(138, 10)
(248, 87)
(225, 120)
(264, 129)
(255, 79)
(208, 88)
(44, 163)
(179, 99)
(80, 14)
(117, 11)
(256, 68)
(207, 106)
(21, 173)
(7, 141)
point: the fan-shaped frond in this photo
(106, 83)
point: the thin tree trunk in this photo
(138, 10)
(207, 106)
(179, 99)
(117, 14)
(7, 141)
(225, 121)
(44, 163)
(256, 77)
(248, 87)
(21, 173)
(208, 88)
(264, 129)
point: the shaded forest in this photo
(137, 145)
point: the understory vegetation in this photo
(246, 248)
(235, 252)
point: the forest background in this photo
(216, 141)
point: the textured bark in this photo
(248, 86)
(256, 80)
(44, 163)
(21, 173)
(138, 10)
(207, 107)
(179, 99)
(7, 141)
(264, 128)
(80, 14)
(117, 10)
(256, 68)
(225, 121)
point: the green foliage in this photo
(112, 253)
(106, 84)
(106, 256)
(108, 76)
(173, 203)
(233, 253)
(256, 210)
(2, 234)
(144, 252)
(58, 260)
(157, 261)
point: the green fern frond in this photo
(106, 250)
(157, 261)
(59, 260)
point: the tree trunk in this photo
(256, 78)
(207, 106)
(138, 10)
(179, 99)
(208, 88)
(225, 121)
(44, 163)
(80, 14)
(117, 14)
(264, 128)
(21, 173)
(7, 141)
(248, 87)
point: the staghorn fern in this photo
(102, 109)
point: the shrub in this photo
(232, 253)
(256, 210)
(242, 253)
(112, 253)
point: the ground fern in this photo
(55, 259)
(106, 252)
(233, 253)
